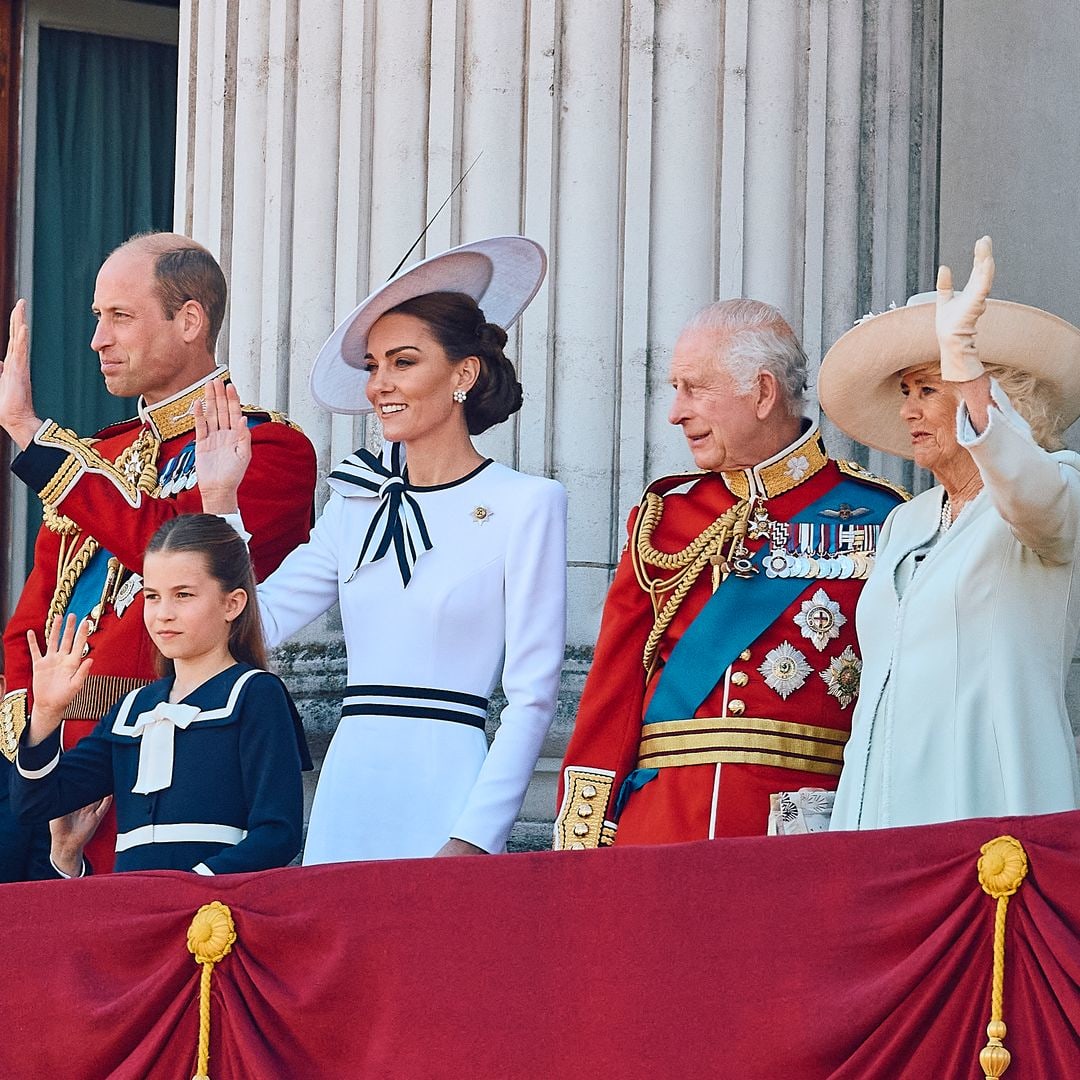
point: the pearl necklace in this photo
(946, 515)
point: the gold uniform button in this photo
(577, 847)
(745, 654)
(735, 707)
(740, 678)
(585, 810)
(588, 791)
(581, 829)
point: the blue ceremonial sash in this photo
(86, 594)
(741, 611)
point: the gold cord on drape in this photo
(210, 939)
(1003, 865)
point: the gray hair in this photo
(752, 337)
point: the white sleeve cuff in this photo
(203, 869)
(68, 877)
(37, 774)
(967, 436)
(237, 522)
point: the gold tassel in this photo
(210, 939)
(1003, 865)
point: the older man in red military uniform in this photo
(159, 301)
(727, 661)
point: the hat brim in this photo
(502, 274)
(858, 386)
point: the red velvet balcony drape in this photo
(838, 956)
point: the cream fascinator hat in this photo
(858, 386)
(502, 274)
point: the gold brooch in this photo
(480, 514)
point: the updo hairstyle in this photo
(458, 325)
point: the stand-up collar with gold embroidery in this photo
(788, 469)
(176, 416)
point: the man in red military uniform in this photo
(159, 301)
(727, 662)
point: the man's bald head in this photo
(183, 270)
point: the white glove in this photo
(958, 313)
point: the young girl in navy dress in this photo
(204, 764)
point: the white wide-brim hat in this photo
(502, 274)
(858, 385)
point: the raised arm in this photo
(59, 674)
(119, 505)
(17, 415)
(956, 318)
(222, 448)
(1037, 496)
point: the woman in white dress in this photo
(968, 623)
(450, 570)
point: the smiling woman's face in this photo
(411, 380)
(929, 410)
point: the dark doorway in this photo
(105, 138)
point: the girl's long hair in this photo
(228, 563)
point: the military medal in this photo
(785, 669)
(820, 619)
(842, 677)
(126, 593)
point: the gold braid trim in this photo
(133, 473)
(149, 445)
(853, 468)
(99, 694)
(580, 823)
(12, 722)
(68, 572)
(275, 417)
(729, 528)
(56, 522)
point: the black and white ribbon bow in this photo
(398, 522)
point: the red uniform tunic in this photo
(777, 717)
(104, 498)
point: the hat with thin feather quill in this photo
(502, 274)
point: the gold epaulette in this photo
(857, 472)
(581, 821)
(272, 415)
(12, 722)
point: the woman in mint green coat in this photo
(969, 621)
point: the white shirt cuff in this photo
(68, 877)
(237, 522)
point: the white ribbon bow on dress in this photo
(157, 730)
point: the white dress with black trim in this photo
(441, 590)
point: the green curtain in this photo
(106, 133)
